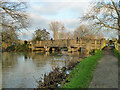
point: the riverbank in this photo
(82, 74)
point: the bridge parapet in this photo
(52, 43)
(72, 44)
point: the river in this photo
(21, 70)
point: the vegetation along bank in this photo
(82, 75)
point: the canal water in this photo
(21, 70)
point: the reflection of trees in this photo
(8, 59)
(54, 59)
(26, 55)
(39, 59)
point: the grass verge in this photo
(82, 75)
(117, 54)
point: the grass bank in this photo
(117, 54)
(82, 75)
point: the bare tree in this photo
(99, 35)
(68, 35)
(13, 15)
(104, 15)
(55, 27)
(9, 37)
(13, 19)
(61, 33)
(83, 32)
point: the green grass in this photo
(117, 54)
(82, 75)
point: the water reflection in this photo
(21, 70)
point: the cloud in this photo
(50, 8)
(67, 13)
(38, 20)
(41, 21)
(72, 23)
(47, 9)
(26, 35)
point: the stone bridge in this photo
(70, 44)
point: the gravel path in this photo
(106, 72)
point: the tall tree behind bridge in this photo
(41, 35)
(83, 32)
(55, 26)
(68, 35)
(61, 32)
(104, 14)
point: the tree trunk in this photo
(119, 23)
(118, 30)
(119, 37)
(54, 35)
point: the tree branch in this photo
(115, 9)
(108, 26)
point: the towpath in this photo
(106, 72)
